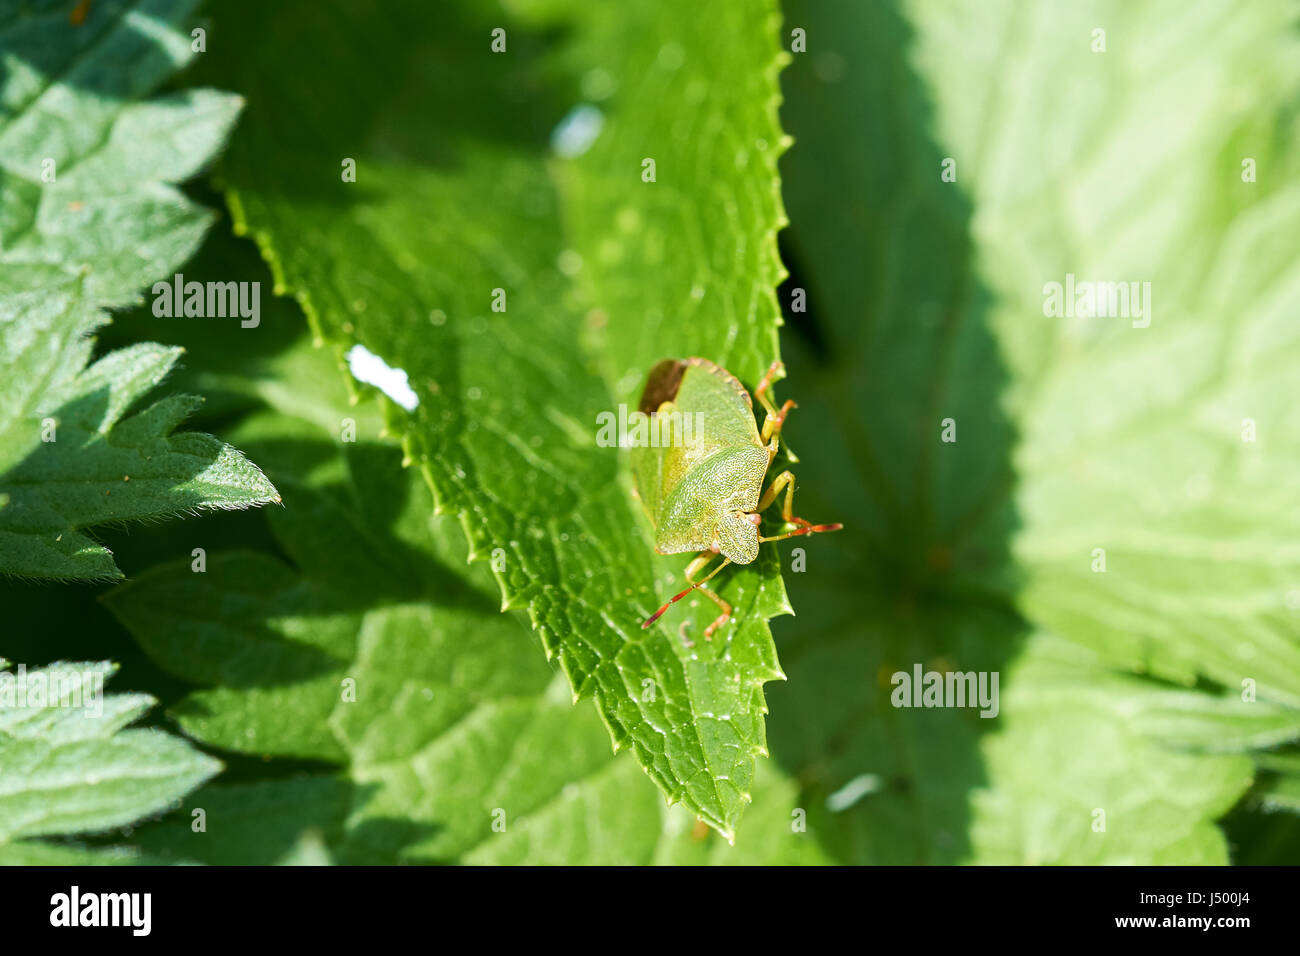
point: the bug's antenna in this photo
(677, 597)
(804, 529)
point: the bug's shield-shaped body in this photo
(698, 483)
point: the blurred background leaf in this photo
(69, 765)
(1071, 434)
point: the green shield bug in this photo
(699, 469)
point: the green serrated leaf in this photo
(601, 271)
(86, 172)
(88, 216)
(382, 652)
(68, 766)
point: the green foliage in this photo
(87, 217)
(1097, 512)
(406, 261)
(374, 647)
(68, 767)
(1070, 434)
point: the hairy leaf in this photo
(68, 766)
(88, 216)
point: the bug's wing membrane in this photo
(648, 475)
(658, 467)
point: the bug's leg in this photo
(775, 419)
(785, 480)
(772, 424)
(722, 618)
(760, 393)
(700, 560)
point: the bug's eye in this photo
(755, 519)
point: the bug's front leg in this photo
(785, 480)
(760, 393)
(775, 419)
(698, 564)
(772, 424)
(702, 559)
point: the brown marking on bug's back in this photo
(662, 385)
(665, 380)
